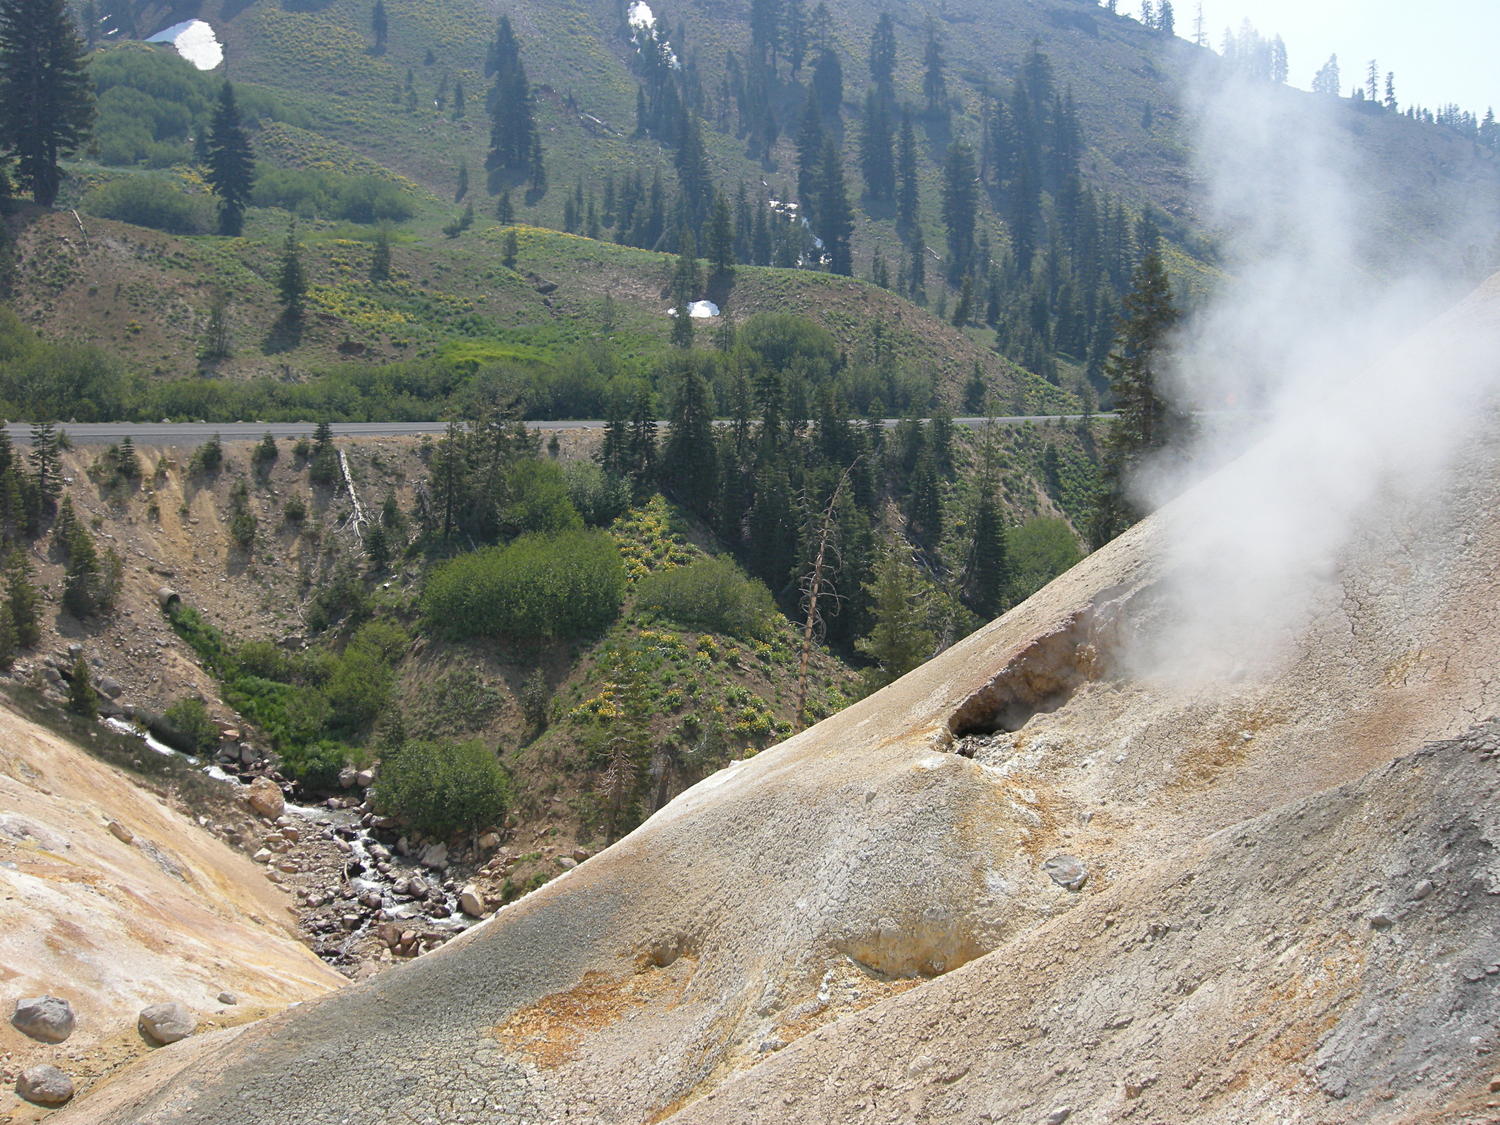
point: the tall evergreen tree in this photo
(514, 142)
(934, 73)
(689, 461)
(379, 25)
(231, 164)
(835, 218)
(906, 174)
(828, 84)
(960, 207)
(900, 639)
(46, 96)
(291, 282)
(1144, 423)
(883, 56)
(875, 157)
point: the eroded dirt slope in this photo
(113, 900)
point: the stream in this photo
(373, 878)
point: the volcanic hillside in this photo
(1025, 882)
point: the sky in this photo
(1441, 52)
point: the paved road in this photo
(196, 433)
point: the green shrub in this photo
(598, 497)
(316, 194)
(190, 719)
(444, 787)
(711, 594)
(315, 765)
(151, 201)
(561, 586)
(539, 500)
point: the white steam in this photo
(1306, 354)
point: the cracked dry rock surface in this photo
(1290, 910)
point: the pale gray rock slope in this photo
(857, 924)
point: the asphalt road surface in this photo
(196, 433)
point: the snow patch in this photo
(699, 310)
(195, 41)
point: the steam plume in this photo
(1306, 345)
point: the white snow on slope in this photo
(195, 41)
(699, 310)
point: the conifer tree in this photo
(934, 73)
(721, 239)
(960, 206)
(514, 142)
(82, 698)
(900, 639)
(231, 165)
(689, 465)
(875, 157)
(379, 25)
(883, 56)
(906, 175)
(46, 455)
(835, 218)
(46, 96)
(22, 602)
(291, 283)
(380, 255)
(1144, 423)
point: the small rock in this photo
(1382, 920)
(566, 862)
(120, 832)
(263, 856)
(265, 798)
(1423, 889)
(228, 998)
(346, 777)
(488, 842)
(581, 854)
(44, 1085)
(1495, 1084)
(160, 1024)
(47, 1018)
(1068, 872)
(470, 902)
(418, 887)
(1059, 1115)
(364, 778)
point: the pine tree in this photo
(721, 239)
(960, 206)
(900, 639)
(379, 25)
(82, 698)
(291, 283)
(828, 84)
(46, 95)
(231, 165)
(875, 157)
(934, 76)
(22, 601)
(906, 175)
(689, 464)
(46, 458)
(380, 255)
(835, 218)
(1144, 423)
(883, 56)
(514, 142)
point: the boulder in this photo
(228, 998)
(434, 856)
(364, 778)
(120, 832)
(489, 842)
(470, 902)
(47, 1018)
(44, 1085)
(160, 1024)
(1068, 872)
(265, 798)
